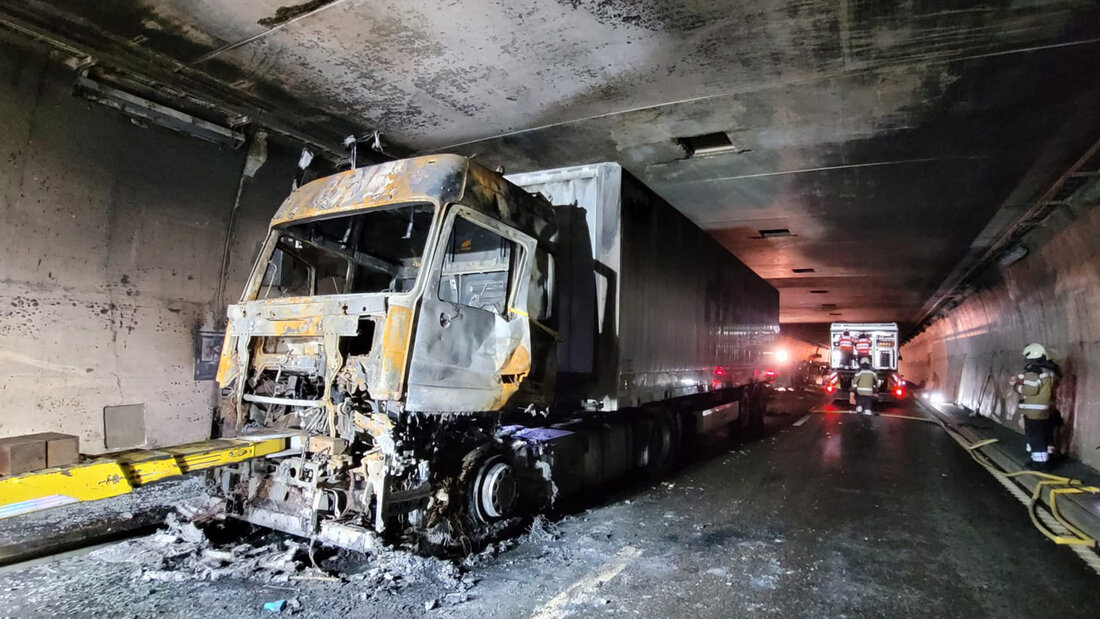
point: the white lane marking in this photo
(804, 419)
(584, 588)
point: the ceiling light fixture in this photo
(141, 109)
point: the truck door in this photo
(472, 342)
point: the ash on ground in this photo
(197, 545)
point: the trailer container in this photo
(672, 311)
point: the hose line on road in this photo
(1073, 536)
(1051, 524)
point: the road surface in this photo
(827, 515)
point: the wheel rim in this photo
(496, 490)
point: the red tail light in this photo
(830, 389)
(899, 392)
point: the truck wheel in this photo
(761, 408)
(750, 418)
(663, 447)
(490, 487)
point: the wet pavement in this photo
(828, 514)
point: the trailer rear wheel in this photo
(750, 417)
(763, 394)
(663, 447)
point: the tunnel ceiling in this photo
(883, 135)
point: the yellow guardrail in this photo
(120, 473)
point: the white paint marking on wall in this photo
(804, 419)
(7, 355)
(583, 589)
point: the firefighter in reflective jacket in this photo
(863, 346)
(844, 343)
(1036, 388)
(864, 385)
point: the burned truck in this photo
(455, 348)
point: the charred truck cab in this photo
(407, 319)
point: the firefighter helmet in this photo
(865, 363)
(1034, 351)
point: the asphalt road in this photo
(840, 515)
(828, 515)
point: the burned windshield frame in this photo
(380, 250)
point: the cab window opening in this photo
(478, 267)
(380, 250)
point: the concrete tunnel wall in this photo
(112, 243)
(1052, 296)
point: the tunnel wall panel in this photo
(1052, 296)
(112, 243)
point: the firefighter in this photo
(1036, 388)
(844, 343)
(863, 346)
(864, 385)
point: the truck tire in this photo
(489, 487)
(753, 403)
(765, 397)
(663, 446)
(739, 427)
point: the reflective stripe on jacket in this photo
(863, 346)
(845, 342)
(864, 382)
(1037, 389)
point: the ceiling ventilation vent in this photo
(804, 270)
(828, 306)
(819, 291)
(774, 233)
(835, 314)
(708, 144)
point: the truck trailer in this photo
(457, 348)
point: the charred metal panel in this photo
(675, 313)
(490, 361)
(438, 179)
(435, 179)
(468, 358)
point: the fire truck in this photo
(883, 355)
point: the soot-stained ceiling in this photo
(882, 135)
